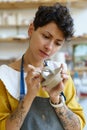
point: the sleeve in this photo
(5, 105)
(72, 102)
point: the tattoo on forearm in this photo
(68, 119)
(18, 115)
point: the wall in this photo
(15, 50)
(80, 21)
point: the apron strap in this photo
(22, 85)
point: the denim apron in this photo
(41, 115)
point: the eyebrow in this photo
(56, 39)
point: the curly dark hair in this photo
(57, 13)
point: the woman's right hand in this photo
(33, 80)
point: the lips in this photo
(43, 54)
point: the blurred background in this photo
(15, 16)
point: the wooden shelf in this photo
(9, 26)
(75, 40)
(79, 40)
(80, 69)
(4, 61)
(10, 40)
(30, 4)
(22, 5)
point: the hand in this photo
(55, 91)
(32, 80)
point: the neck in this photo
(29, 60)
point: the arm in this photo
(69, 120)
(12, 112)
(71, 113)
(16, 118)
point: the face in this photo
(45, 41)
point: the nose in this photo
(49, 46)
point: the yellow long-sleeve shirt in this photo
(8, 103)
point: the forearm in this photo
(69, 120)
(15, 120)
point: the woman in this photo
(25, 104)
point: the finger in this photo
(33, 76)
(65, 76)
(63, 68)
(32, 80)
(37, 82)
(34, 69)
(30, 68)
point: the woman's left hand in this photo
(55, 91)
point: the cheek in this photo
(36, 40)
(35, 44)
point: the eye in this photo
(46, 36)
(58, 44)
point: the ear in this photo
(30, 29)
